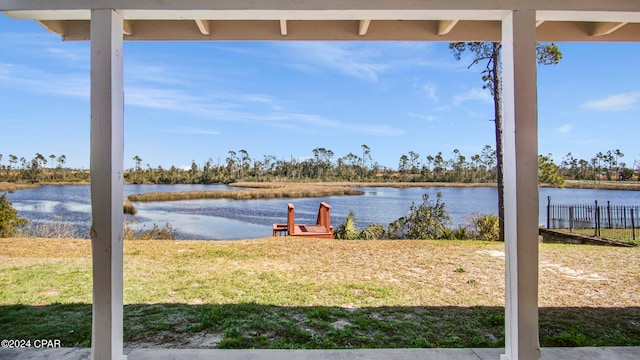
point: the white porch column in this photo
(520, 111)
(107, 145)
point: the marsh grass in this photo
(128, 207)
(11, 187)
(603, 185)
(297, 293)
(254, 191)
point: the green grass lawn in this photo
(297, 293)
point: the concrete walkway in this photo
(601, 353)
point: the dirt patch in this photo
(493, 253)
(204, 340)
(571, 274)
(177, 340)
(340, 324)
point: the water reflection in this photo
(37, 205)
(238, 219)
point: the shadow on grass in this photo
(319, 327)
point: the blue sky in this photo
(198, 100)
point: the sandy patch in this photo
(571, 274)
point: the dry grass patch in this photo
(292, 272)
(11, 187)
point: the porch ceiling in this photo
(397, 20)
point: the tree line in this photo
(39, 169)
(324, 165)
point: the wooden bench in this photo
(322, 228)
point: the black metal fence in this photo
(615, 222)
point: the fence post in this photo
(571, 219)
(608, 214)
(548, 211)
(633, 226)
(597, 220)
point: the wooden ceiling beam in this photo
(606, 28)
(363, 27)
(54, 26)
(283, 28)
(445, 26)
(127, 27)
(204, 26)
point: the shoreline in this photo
(602, 185)
(266, 190)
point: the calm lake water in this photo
(240, 219)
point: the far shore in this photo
(291, 189)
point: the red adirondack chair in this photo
(322, 228)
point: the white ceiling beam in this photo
(42, 12)
(283, 27)
(320, 6)
(204, 27)
(539, 22)
(343, 30)
(127, 28)
(606, 28)
(268, 14)
(363, 27)
(54, 26)
(590, 16)
(445, 26)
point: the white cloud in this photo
(349, 59)
(428, 118)
(77, 55)
(565, 128)
(320, 121)
(474, 94)
(376, 129)
(156, 89)
(68, 84)
(618, 102)
(155, 74)
(197, 131)
(430, 90)
(25, 41)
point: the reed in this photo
(603, 185)
(128, 207)
(11, 187)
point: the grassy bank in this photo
(292, 293)
(11, 187)
(255, 191)
(603, 185)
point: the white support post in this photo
(520, 111)
(107, 146)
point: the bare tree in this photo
(489, 53)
